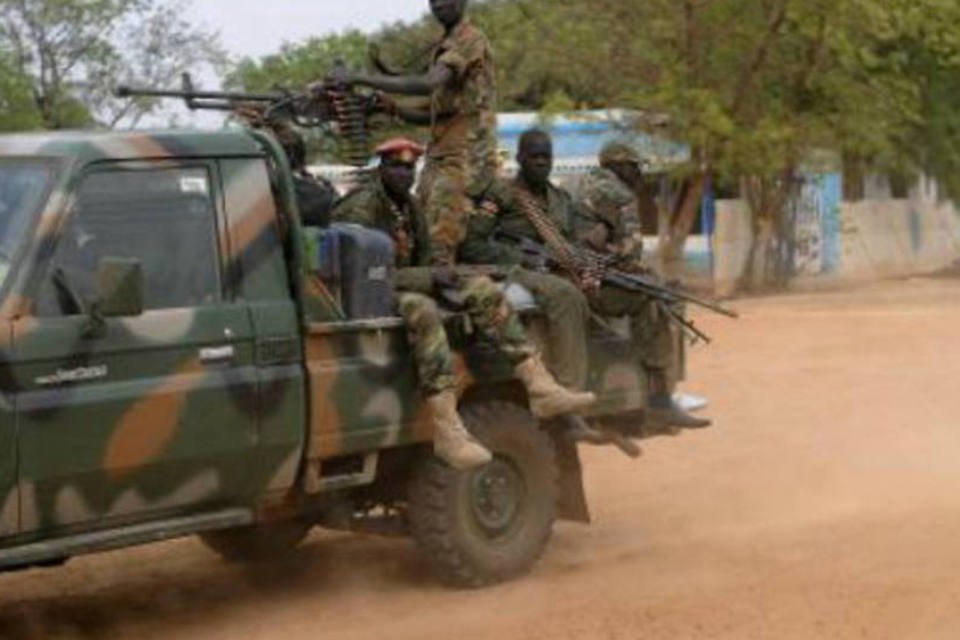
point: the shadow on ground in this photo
(197, 587)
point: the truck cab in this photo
(174, 363)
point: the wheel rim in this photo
(498, 494)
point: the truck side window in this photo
(163, 217)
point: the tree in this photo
(73, 52)
(755, 88)
(297, 65)
(17, 110)
(158, 46)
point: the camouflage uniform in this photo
(605, 201)
(462, 155)
(652, 332)
(486, 304)
(565, 307)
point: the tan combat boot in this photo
(547, 398)
(452, 443)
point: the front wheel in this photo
(490, 524)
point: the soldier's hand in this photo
(590, 282)
(382, 103)
(249, 112)
(597, 237)
(445, 278)
(535, 262)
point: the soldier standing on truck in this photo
(461, 114)
(532, 195)
(385, 203)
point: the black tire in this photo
(488, 525)
(258, 543)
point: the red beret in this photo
(409, 149)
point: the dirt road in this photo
(825, 504)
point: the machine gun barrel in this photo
(612, 276)
(335, 108)
(195, 99)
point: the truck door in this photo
(9, 496)
(149, 415)
(261, 276)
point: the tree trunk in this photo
(755, 276)
(769, 260)
(684, 217)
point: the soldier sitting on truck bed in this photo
(315, 196)
(555, 209)
(385, 203)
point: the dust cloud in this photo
(824, 504)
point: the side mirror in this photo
(119, 288)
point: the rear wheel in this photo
(258, 543)
(493, 523)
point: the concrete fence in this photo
(838, 242)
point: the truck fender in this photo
(572, 501)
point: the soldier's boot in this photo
(664, 411)
(576, 429)
(452, 443)
(547, 398)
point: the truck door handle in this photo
(217, 355)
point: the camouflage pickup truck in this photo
(173, 362)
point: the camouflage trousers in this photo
(443, 199)
(428, 339)
(494, 321)
(652, 333)
(568, 318)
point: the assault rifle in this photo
(602, 269)
(342, 111)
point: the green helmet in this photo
(618, 152)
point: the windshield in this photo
(23, 189)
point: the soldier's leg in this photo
(654, 336)
(568, 319)
(431, 352)
(658, 345)
(653, 340)
(495, 318)
(444, 201)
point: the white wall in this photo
(878, 239)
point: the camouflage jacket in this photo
(464, 110)
(603, 199)
(370, 206)
(498, 210)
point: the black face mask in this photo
(397, 177)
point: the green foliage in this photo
(755, 87)
(72, 53)
(17, 110)
(297, 65)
